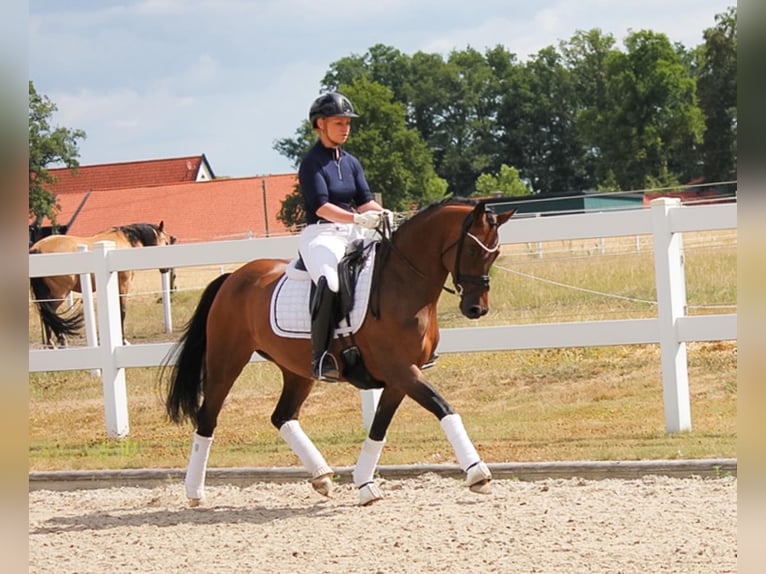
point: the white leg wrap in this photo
(301, 444)
(369, 493)
(195, 472)
(466, 454)
(369, 456)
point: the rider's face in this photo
(336, 128)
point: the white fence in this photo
(672, 328)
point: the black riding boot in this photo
(323, 364)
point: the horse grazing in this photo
(50, 292)
(398, 336)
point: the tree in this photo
(553, 148)
(47, 146)
(717, 89)
(507, 183)
(649, 129)
(586, 56)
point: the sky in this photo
(152, 79)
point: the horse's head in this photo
(471, 256)
(144, 234)
(162, 237)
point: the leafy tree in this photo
(717, 89)
(553, 148)
(291, 212)
(47, 145)
(651, 124)
(382, 64)
(468, 132)
(586, 55)
(507, 183)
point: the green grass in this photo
(534, 405)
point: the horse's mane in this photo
(140, 233)
(453, 200)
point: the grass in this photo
(600, 403)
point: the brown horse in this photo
(398, 337)
(50, 292)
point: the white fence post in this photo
(671, 302)
(165, 275)
(110, 331)
(88, 310)
(370, 399)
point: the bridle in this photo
(458, 278)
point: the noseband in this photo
(458, 278)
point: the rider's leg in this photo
(323, 364)
(322, 246)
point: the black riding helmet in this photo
(330, 104)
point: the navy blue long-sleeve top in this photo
(334, 176)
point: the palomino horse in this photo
(398, 336)
(50, 292)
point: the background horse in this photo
(50, 292)
(398, 336)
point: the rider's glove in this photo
(368, 219)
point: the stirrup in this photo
(325, 368)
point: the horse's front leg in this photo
(295, 390)
(477, 472)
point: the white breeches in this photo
(322, 246)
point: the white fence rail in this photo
(672, 328)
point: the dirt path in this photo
(425, 524)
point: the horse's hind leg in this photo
(295, 390)
(223, 367)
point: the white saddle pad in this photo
(289, 309)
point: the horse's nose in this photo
(476, 311)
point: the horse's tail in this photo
(187, 377)
(59, 324)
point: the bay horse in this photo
(50, 292)
(398, 336)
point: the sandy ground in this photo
(424, 524)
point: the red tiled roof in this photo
(202, 211)
(126, 175)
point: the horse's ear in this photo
(505, 216)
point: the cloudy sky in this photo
(149, 79)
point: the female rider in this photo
(339, 205)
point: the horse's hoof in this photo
(323, 485)
(478, 478)
(481, 487)
(369, 493)
(194, 502)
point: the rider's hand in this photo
(368, 219)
